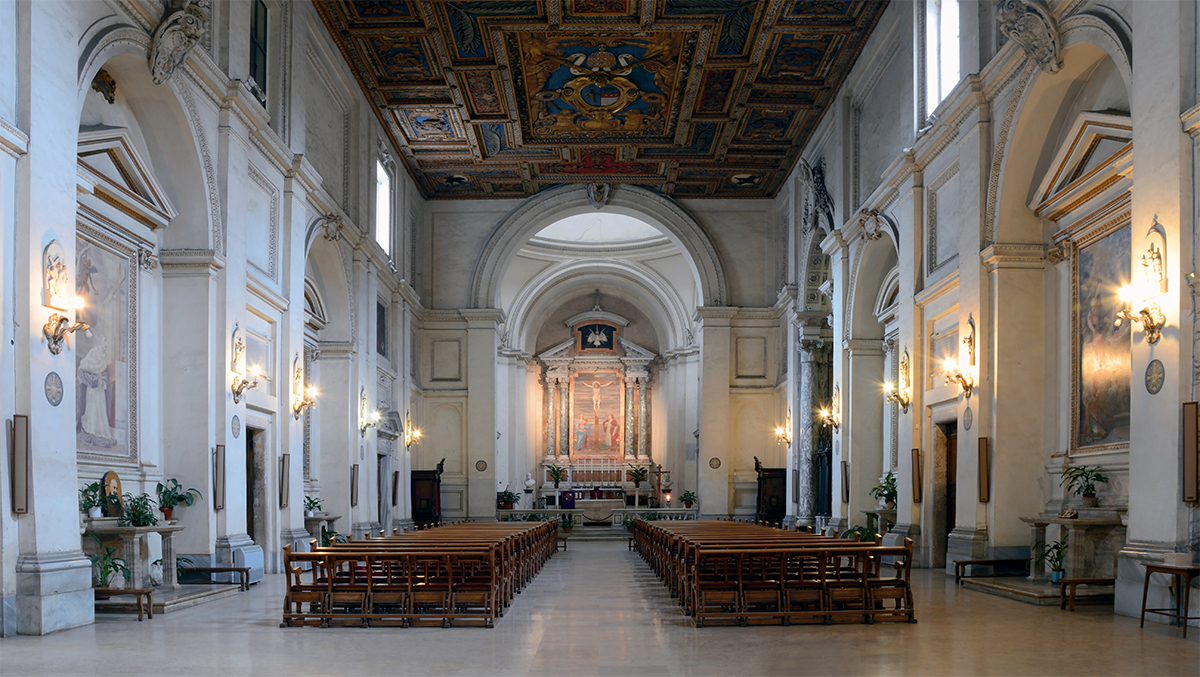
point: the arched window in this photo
(383, 207)
(940, 51)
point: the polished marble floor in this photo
(598, 610)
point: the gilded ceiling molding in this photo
(1030, 25)
(182, 29)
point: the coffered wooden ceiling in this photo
(691, 98)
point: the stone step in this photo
(166, 601)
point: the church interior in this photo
(849, 319)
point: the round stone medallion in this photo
(236, 426)
(1155, 375)
(54, 389)
(968, 419)
(481, 465)
(714, 463)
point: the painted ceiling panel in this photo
(504, 98)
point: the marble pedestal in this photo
(131, 537)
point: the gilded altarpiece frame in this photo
(597, 413)
(106, 361)
(1101, 352)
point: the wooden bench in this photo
(146, 594)
(960, 567)
(1067, 601)
(244, 571)
(562, 544)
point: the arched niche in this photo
(1095, 66)
(326, 272)
(170, 134)
(873, 265)
(536, 213)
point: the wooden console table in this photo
(1182, 596)
(1092, 544)
(109, 528)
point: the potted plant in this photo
(91, 500)
(1081, 480)
(106, 564)
(1052, 554)
(557, 473)
(139, 511)
(885, 491)
(627, 522)
(507, 499)
(566, 522)
(863, 534)
(172, 494)
(688, 498)
(329, 537)
(312, 505)
(638, 474)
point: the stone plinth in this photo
(131, 537)
(1093, 542)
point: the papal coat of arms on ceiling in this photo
(578, 87)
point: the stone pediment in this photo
(1096, 152)
(121, 176)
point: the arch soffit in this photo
(545, 208)
(646, 290)
(105, 40)
(1076, 31)
(868, 274)
(328, 271)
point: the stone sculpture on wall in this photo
(184, 26)
(1033, 27)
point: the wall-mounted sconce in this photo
(832, 417)
(303, 398)
(411, 434)
(58, 326)
(784, 432)
(366, 417)
(1150, 316)
(241, 384)
(954, 375)
(302, 402)
(900, 393)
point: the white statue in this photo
(529, 482)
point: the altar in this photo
(599, 510)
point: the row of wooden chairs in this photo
(461, 574)
(747, 574)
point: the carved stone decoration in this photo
(873, 222)
(105, 85)
(598, 194)
(57, 287)
(181, 29)
(1060, 252)
(147, 260)
(1032, 26)
(822, 201)
(331, 227)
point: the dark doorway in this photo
(942, 488)
(823, 467)
(256, 491)
(951, 488)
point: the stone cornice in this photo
(707, 313)
(1190, 119)
(863, 347)
(478, 317)
(336, 349)
(1013, 256)
(190, 262)
(13, 141)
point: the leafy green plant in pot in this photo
(91, 500)
(885, 491)
(638, 474)
(688, 498)
(1053, 555)
(628, 521)
(139, 511)
(566, 521)
(507, 499)
(557, 473)
(172, 494)
(1081, 480)
(312, 505)
(106, 563)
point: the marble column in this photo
(548, 395)
(814, 362)
(643, 421)
(564, 419)
(629, 416)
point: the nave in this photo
(597, 609)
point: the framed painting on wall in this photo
(106, 354)
(1101, 364)
(597, 413)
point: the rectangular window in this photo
(258, 50)
(383, 208)
(381, 329)
(941, 51)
